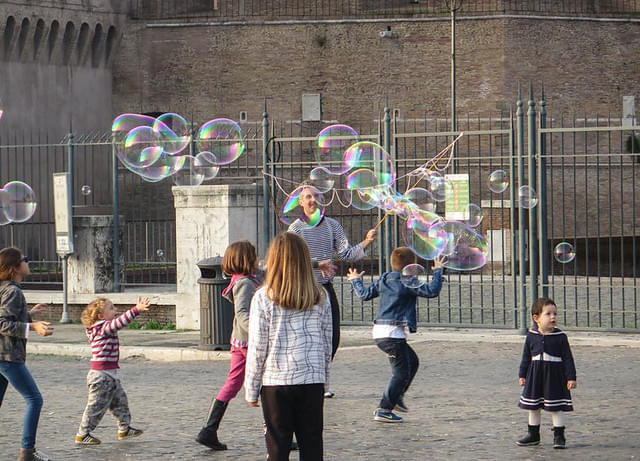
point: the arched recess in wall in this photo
(111, 42)
(22, 36)
(9, 30)
(53, 36)
(96, 46)
(68, 40)
(37, 37)
(83, 37)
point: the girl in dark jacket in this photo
(15, 325)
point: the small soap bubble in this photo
(564, 253)
(85, 190)
(160, 253)
(413, 276)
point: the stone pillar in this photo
(208, 219)
(91, 265)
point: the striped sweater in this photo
(103, 339)
(326, 240)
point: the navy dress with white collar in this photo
(547, 364)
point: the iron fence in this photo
(344, 9)
(585, 171)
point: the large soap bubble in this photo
(292, 208)
(223, 138)
(18, 202)
(465, 249)
(332, 142)
(373, 157)
(189, 174)
(141, 148)
(172, 132)
(422, 236)
(322, 179)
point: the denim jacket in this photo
(397, 302)
(14, 317)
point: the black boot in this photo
(558, 437)
(532, 437)
(209, 434)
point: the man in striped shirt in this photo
(324, 241)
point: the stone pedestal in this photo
(91, 265)
(208, 219)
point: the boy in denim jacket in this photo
(397, 310)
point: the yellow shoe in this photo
(131, 432)
(87, 440)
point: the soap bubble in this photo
(206, 164)
(564, 253)
(292, 209)
(465, 249)
(498, 181)
(172, 133)
(18, 201)
(413, 276)
(527, 197)
(141, 148)
(332, 142)
(475, 215)
(85, 190)
(321, 179)
(188, 175)
(422, 236)
(223, 138)
(440, 187)
(373, 157)
(160, 253)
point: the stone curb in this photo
(179, 354)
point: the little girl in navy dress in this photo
(547, 372)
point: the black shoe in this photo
(532, 437)
(558, 437)
(208, 436)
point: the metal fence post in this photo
(542, 194)
(521, 220)
(533, 224)
(388, 222)
(512, 218)
(116, 217)
(70, 165)
(265, 182)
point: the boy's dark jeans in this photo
(404, 365)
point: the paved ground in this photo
(463, 406)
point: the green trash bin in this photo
(216, 312)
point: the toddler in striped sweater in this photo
(105, 389)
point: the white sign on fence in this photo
(62, 208)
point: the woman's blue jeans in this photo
(18, 375)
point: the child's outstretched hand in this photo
(38, 308)
(352, 274)
(438, 262)
(522, 381)
(143, 304)
(572, 384)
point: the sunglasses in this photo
(24, 259)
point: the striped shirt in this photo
(103, 339)
(286, 346)
(325, 240)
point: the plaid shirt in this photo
(286, 346)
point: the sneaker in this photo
(31, 454)
(401, 407)
(386, 416)
(130, 432)
(87, 439)
(329, 394)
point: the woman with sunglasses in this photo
(15, 325)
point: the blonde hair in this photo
(290, 280)
(94, 308)
(240, 258)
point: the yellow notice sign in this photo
(457, 197)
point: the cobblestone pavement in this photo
(462, 407)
